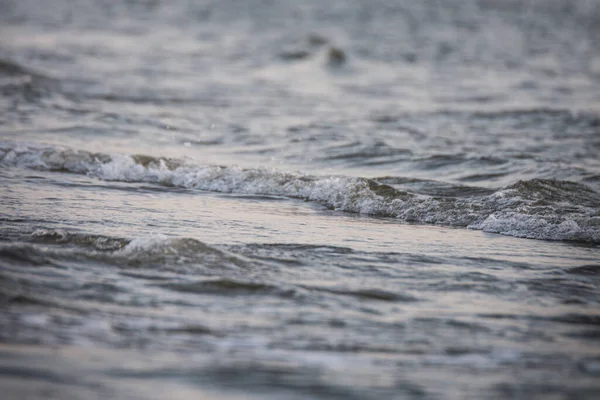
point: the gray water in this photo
(300, 199)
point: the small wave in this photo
(47, 247)
(12, 69)
(357, 153)
(575, 319)
(227, 286)
(160, 249)
(97, 242)
(366, 293)
(438, 161)
(23, 254)
(16, 80)
(433, 188)
(537, 208)
(589, 270)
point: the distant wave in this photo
(537, 208)
(15, 78)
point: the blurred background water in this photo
(278, 199)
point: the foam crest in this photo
(537, 208)
(537, 227)
(160, 249)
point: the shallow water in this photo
(277, 200)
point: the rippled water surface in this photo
(300, 199)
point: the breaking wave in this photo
(537, 208)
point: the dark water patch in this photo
(559, 121)
(433, 188)
(36, 287)
(149, 274)
(585, 270)
(482, 177)
(466, 325)
(395, 259)
(486, 262)
(548, 191)
(419, 258)
(26, 299)
(445, 325)
(324, 250)
(15, 372)
(93, 184)
(588, 334)
(106, 292)
(294, 55)
(366, 155)
(464, 352)
(229, 287)
(567, 291)
(336, 56)
(542, 391)
(476, 277)
(23, 254)
(149, 99)
(439, 161)
(22, 84)
(194, 329)
(15, 70)
(344, 260)
(467, 285)
(380, 161)
(317, 40)
(292, 254)
(10, 289)
(357, 153)
(571, 319)
(594, 179)
(384, 118)
(591, 366)
(11, 69)
(556, 285)
(366, 293)
(474, 98)
(578, 319)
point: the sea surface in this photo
(367, 199)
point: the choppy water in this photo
(345, 199)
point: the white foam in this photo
(144, 244)
(535, 227)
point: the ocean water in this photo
(368, 199)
